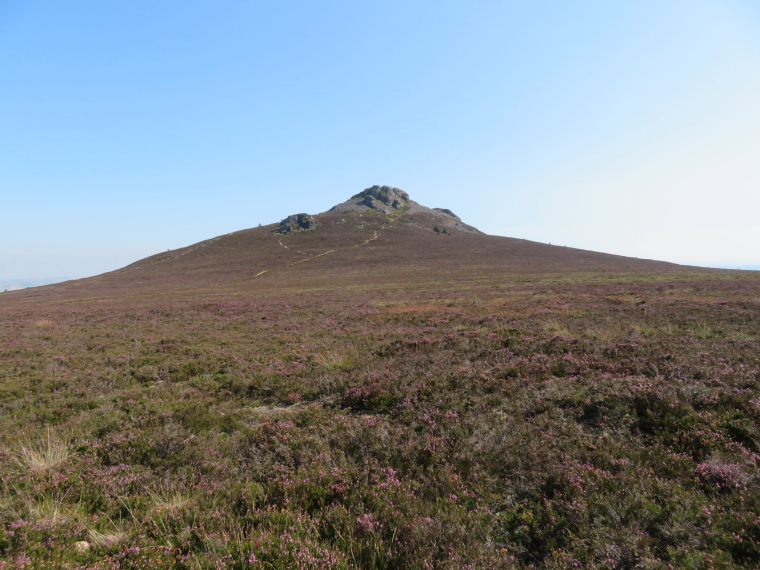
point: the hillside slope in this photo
(353, 245)
(356, 390)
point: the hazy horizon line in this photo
(14, 284)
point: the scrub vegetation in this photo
(596, 424)
(374, 394)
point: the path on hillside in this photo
(279, 240)
(311, 257)
(162, 257)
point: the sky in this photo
(129, 128)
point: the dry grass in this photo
(43, 455)
(642, 329)
(604, 334)
(669, 329)
(557, 329)
(337, 359)
(170, 501)
(702, 331)
(108, 538)
(54, 509)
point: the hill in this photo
(378, 239)
(15, 284)
(355, 389)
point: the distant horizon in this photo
(40, 279)
(13, 284)
(16, 283)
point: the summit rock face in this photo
(384, 199)
(392, 201)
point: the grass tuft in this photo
(337, 360)
(108, 538)
(43, 455)
(53, 509)
(170, 501)
(557, 329)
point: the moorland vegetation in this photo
(552, 410)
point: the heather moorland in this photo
(411, 399)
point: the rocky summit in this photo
(384, 199)
(395, 202)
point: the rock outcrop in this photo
(384, 198)
(448, 213)
(297, 223)
(395, 203)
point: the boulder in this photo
(448, 213)
(297, 223)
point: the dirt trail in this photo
(365, 242)
(279, 240)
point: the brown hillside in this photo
(352, 246)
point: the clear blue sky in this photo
(127, 128)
